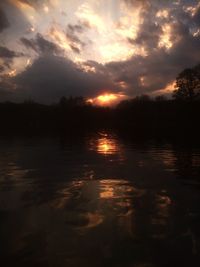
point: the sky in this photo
(103, 50)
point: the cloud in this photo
(169, 44)
(41, 45)
(75, 48)
(2, 69)
(74, 42)
(72, 32)
(3, 20)
(34, 3)
(6, 57)
(148, 36)
(29, 43)
(144, 44)
(197, 16)
(51, 77)
(6, 53)
(80, 27)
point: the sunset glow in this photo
(106, 99)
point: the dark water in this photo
(98, 201)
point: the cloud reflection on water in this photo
(94, 201)
(89, 202)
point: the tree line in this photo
(142, 114)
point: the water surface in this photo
(98, 200)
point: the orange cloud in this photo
(165, 38)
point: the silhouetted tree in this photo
(143, 98)
(72, 101)
(160, 98)
(188, 84)
(63, 101)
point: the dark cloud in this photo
(148, 36)
(80, 27)
(74, 41)
(7, 53)
(7, 56)
(41, 45)
(3, 20)
(2, 69)
(73, 35)
(29, 43)
(158, 4)
(75, 49)
(100, 68)
(75, 28)
(197, 17)
(51, 77)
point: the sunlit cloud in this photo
(46, 9)
(28, 62)
(196, 33)
(12, 73)
(28, 10)
(167, 90)
(129, 22)
(115, 50)
(164, 13)
(85, 67)
(32, 29)
(110, 35)
(86, 13)
(59, 37)
(165, 38)
(143, 81)
(192, 10)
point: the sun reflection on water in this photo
(106, 144)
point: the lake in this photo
(99, 200)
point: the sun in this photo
(106, 99)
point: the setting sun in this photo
(106, 99)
